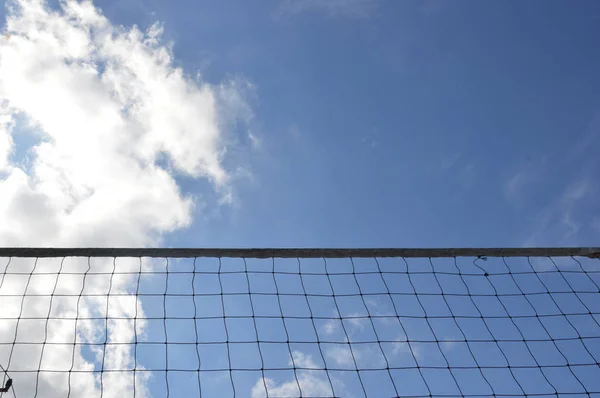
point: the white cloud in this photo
(6, 141)
(330, 326)
(337, 8)
(310, 383)
(108, 108)
(301, 360)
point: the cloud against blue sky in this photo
(295, 123)
(112, 121)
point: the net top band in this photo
(591, 252)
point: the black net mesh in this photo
(310, 327)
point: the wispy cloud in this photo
(522, 180)
(371, 138)
(302, 360)
(335, 8)
(571, 226)
(435, 7)
(357, 321)
(578, 194)
(576, 190)
(586, 142)
(403, 348)
(596, 224)
(462, 169)
(517, 182)
(330, 326)
(341, 355)
(449, 161)
(449, 345)
(294, 131)
(359, 356)
(565, 219)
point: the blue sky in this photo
(304, 123)
(387, 123)
(401, 123)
